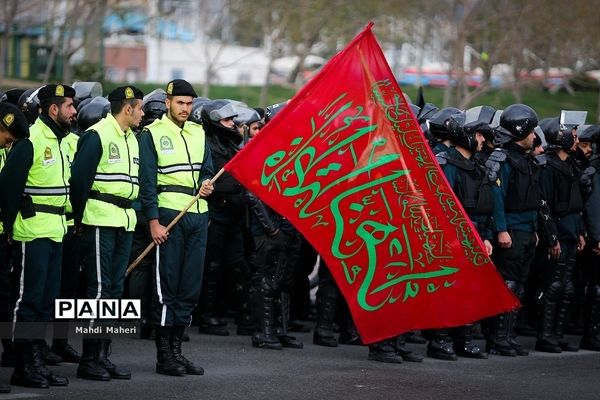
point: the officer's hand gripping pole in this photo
(171, 224)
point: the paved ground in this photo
(235, 370)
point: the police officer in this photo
(34, 198)
(470, 183)
(104, 182)
(517, 199)
(175, 166)
(13, 127)
(589, 138)
(560, 187)
(225, 246)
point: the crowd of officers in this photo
(88, 181)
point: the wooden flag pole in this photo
(171, 224)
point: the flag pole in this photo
(171, 224)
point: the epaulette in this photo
(442, 158)
(541, 159)
(493, 164)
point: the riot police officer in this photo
(517, 199)
(559, 182)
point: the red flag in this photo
(346, 162)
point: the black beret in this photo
(125, 93)
(179, 87)
(52, 90)
(13, 120)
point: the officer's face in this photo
(6, 138)
(576, 141)
(66, 114)
(586, 149)
(136, 114)
(255, 127)
(179, 108)
(527, 142)
(227, 122)
(480, 139)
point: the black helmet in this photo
(459, 135)
(478, 119)
(245, 115)
(556, 137)
(438, 123)
(540, 138)
(154, 106)
(197, 104)
(415, 109)
(92, 112)
(30, 105)
(273, 110)
(214, 111)
(87, 90)
(589, 133)
(516, 122)
(12, 96)
(425, 112)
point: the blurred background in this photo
(545, 53)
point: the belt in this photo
(118, 201)
(177, 189)
(49, 209)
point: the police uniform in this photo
(517, 200)
(175, 160)
(104, 183)
(559, 182)
(13, 122)
(35, 183)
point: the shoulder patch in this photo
(442, 158)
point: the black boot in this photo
(263, 313)
(25, 373)
(497, 342)
(114, 371)
(562, 316)
(64, 350)
(326, 306)
(591, 334)
(415, 337)
(43, 370)
(512, 335)
(464, 346)
(176, 338)
(407, 354)
(48, 356)
(165, 361)
(384, 352)
(4, 388)
(284, 317)
(8, 353)
(89, 368)
(210, 324)
(440, 346)
(547, 341)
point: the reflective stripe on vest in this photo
(116, 175)
(180, 155)
(47, 184)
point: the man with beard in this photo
(175, 166)
(104, 183)
(35, 182)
